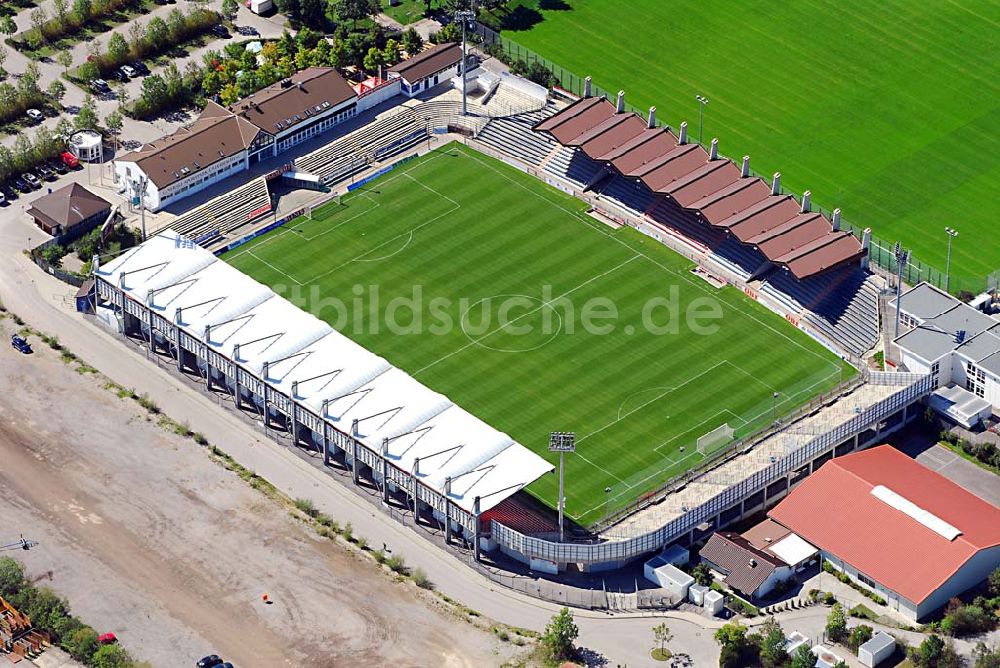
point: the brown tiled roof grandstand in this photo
(715, 189)
(428, 62)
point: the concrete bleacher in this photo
(353, 152)
(843, 306)
(512, 135)
(225, 213)
(573, 166)
(521, 517)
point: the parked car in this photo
(101, 86)
(140, 67)
(9, 193)
(107, 638)
(119, 75)
(22, 185)
(128, 71)
(3, 200)
(20, 344)
(219, 30)
(35, 115)
(210, 661)
(69, 159)
(57, 166)
(31, 180)
(44, 172)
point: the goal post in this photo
(715, 439)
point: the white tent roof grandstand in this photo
(459, 455)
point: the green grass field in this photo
(476, 237)
(888, 110)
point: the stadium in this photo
(526, 212)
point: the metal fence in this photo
(880, 252)
(612, 552)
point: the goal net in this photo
(715, 439)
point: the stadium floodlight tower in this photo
(465, 16)
(902, 259)
(947, 267)
(562, 442)
(702, 100)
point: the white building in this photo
(223, 142)
(952, 341)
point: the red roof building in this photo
(896, 527)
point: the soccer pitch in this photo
(501, 273)
(888, 110)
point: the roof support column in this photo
(413, 489)
(385, 471)
(177, 346)
(478, 527)
(326, 433)
(356, 463)
(866, 242)
(292, 413)
(236, 377)
(447, 511)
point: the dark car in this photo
(8, 192)
(219, 30)
(20, 344)
(57, 165)
(210, 661)
(120, 76)
(21, 185)
(31, 180)
(101, 86)
(140, 67)
(45, 172)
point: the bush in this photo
(963, 620)
(421, 580)
(307, 507)
(396, 563)
(348, 533)
(199, 438)
(859, 636)
(148, 404)
(362, 542)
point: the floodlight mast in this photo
(902, 259)
(562, 442)
(952, 233)
(464, 16)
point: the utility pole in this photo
(702, 100)
(902, 259)
(465, 16)
(947, 267)
(22, 544)
(562, 442)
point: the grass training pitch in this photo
(504, 276)
(888, 110)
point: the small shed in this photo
(714, 602)
(428, 68)
(69, 212)
(667, 576)
(87, 145)
(878, 649)
(676, 555)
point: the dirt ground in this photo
(147, 537)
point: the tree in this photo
(313, 12)
(3, 58)
(803, 657)
(230, 8)
(60, 7)
(117, 48)
(373, 59)
(176, 25)
(984, 657)
(113, 122)
(662, 635)
(929, 651)
(56, 90)
(7, 25)
(836, 623)
(994, 581)
(83, 10)
(136, 33)
(412, 42)
(112, 656)
(62, 131)
(11, 577)
(122, 97)
(560, 634)
(65, 58)
(82, 644)
(157, 32)
(38, 21)
(734, 645)
(391, 54)
(859, 636)
(702, 574)
(355, 10)
(772, 645)
(229, 94)
(86, 118)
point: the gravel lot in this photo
(147, 537)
